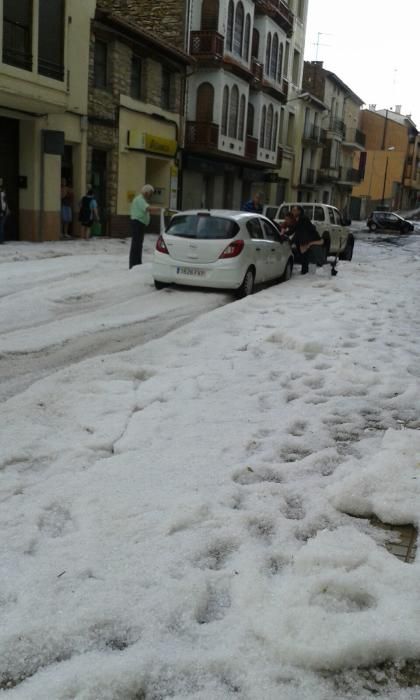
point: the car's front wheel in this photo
(160, 285)
(247, 286)
(373, 226)
(347, 253)
(287, 274)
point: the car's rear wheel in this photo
(288, 271)
(160, 285)
(373, 226)
(347, 253)
(247, 286)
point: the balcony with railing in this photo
(336, 126)
(277, 89)
(207, 46)
(349, 175)
(17, 45)
(309, 177)
(328, 174)
(354, 138)
(203, 136)
(311, 134)
(279, 11)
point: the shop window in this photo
(100, 65)
(51, 39)
(17, 33)
(136, 77)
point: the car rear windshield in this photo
(202, 226)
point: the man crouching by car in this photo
(308, 246)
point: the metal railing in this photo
(207, 44)
(355, 136)
(338, 126)
(350, 175)
(50, 69)
(202, 135)
(277, 10)
(312, 132)
(17, 45)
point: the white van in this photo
(328, 221)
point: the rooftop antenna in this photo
(317, 43)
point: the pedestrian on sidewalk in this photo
(88, 213)
(140, 219)
(4, 210)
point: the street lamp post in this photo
(390, 148)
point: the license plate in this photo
(193, 271)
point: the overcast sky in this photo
(373, 46)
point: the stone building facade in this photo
(134, 115)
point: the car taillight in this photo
(160, 246)
(233, 249)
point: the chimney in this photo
(372, 108)
(398, 109)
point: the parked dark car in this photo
(390, 221)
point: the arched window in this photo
(267, 55)
(229, 28)
(250, 120)
(280, 64)
(274, 57)
(255, 50)
(238, 36)
(210, 15)
(269, 128)
(204, 103)
(247, 37)
(241, 122)
(275, 132)
(225, 110)
(262, 130)
(233, 113)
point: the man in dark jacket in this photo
(255, 204)
(309, 246)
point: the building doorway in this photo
(99, 183)
(9, 171)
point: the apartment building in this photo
(392, 167)
(136, 86)
(44, 57)
(342, 138)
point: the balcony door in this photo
(205, 103)
(210, 15)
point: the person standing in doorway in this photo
(66, 207)
(88, 213)
(140, 219)
(4, 210)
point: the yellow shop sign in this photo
(152, 143)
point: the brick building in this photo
(136, 85)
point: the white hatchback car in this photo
(221, 249)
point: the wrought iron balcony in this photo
(207, 45)
(338, 126)
(309, 177)
(328, 174)
(279, 11)
(202, 136)
(251, 148)
(312, 133)
(355, 136)
(17, 45)
(350, 175)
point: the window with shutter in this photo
(210, 15)
(239, 29)
(269, 128)
(275, 132)
(205, 100)
(241, 123)
(274, 57)
(268, 55)
(255, 43)
(280, 64)
(225, 110)
(233, 113)
(229, 28)
(247, 37)
(262, 130)
(250, 120)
